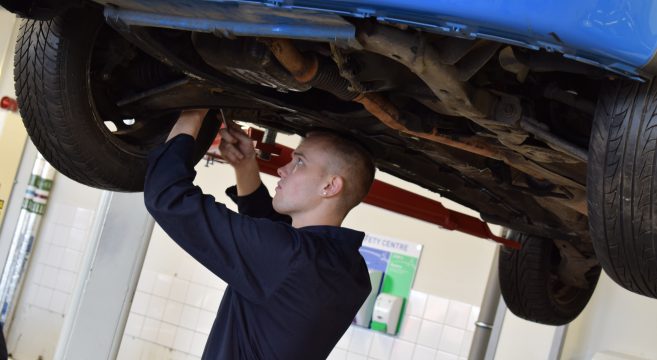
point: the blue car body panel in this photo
(618, 35)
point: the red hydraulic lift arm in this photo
(390, 197)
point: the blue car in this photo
(541, 115)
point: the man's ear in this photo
(333, 186)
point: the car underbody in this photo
(500, 129)
(547, 133)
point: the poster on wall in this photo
(397, 260)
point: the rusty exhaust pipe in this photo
(305, 69)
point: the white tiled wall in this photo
(174, 306)
(53, 270)
(433, 328)
(56, 258)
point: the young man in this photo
(295, 277)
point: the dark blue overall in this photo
(291, 292)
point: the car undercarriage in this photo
(519, 132)
(491, 127)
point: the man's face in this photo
(303, 178)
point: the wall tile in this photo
(65, 281)
(205, 277)
(166, 335)
(153, 351)
(140, 302)
(41, 253)
(179, 289)
(77, 240)
(60, 235)
(31, 293)
(381, 346)
(467, 342)
(177, 355)
(458, 314)
(55, 255)
(149, 329)
(183, 341)
(410, 328)
(189, 317)
(65, 214)
(134, 324)
(354, 356)
(156, 307)
(59, 301)
(162, 285)
(424, 353)
(402, 350)
(186, 268)
(146, 281)
(451, 340)
(436, 308)
(131, 348)
(416, 303)
(337, 354)
(49, 276)
(205, 321)
(43, 297)
(195, 294)
(172, 312)
(83, 218)
(430, 333)
(198, 344)
(361, 340)
(343, 343)
(474, 316)
(212, 299)
(36, 274)
(71, 260)
(441, 355)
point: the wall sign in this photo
(397, 259)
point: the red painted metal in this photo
(8, 103)
(391, 198)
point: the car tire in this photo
(622, 184)
(531, 286)
(54, 93)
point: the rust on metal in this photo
(302, 67)
(388, 114)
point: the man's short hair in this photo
(354, 164)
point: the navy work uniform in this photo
(291, 292)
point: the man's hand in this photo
(189, 122)
(237, 149)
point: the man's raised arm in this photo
(252, 255)
(250, 195)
